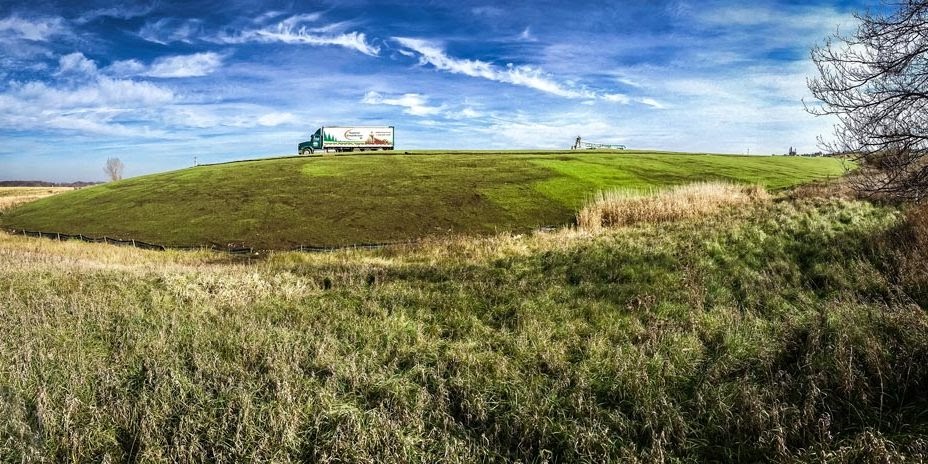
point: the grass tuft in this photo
(615, 208)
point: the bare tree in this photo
(113, 168)
(876, 83)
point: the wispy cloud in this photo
(169, 30)
(293, 30)
(429, 53)
(652, 103)
(527, 76)
(122, 12)
(412, 103)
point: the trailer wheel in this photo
(306, 151)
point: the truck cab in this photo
(314, 143)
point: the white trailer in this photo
(329, 139)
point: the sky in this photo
(161, 83)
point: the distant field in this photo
(13, 196)
(324, 201)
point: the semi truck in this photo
(329, 139)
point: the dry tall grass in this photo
(624, 207)
(13, 196)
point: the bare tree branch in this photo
(113, 168)
(876, 83)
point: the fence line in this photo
(232, 250)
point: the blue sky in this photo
(157, 83)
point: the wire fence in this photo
(232, 249)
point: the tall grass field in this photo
(781, 326)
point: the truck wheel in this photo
(306, 151)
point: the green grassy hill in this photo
(326, 201)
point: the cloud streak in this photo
(169, 30)
(292, 31)
(412, 103)
(428, 53)
(527, 76)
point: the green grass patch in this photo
(328, 201)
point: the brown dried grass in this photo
(618, 208)
(14, 196)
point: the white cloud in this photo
(290, 31)
(195, 65)
(413, 103)
(652, 103)
(177, 66)
(85, 102)
(76, 63)
(353, 40)
(276, 119)
(124, 68)
(617, 98)
(100, 93)
(37, 30)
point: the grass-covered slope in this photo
(787, 331)
(327, 201)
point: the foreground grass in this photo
(790, 330)
(287, 202)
